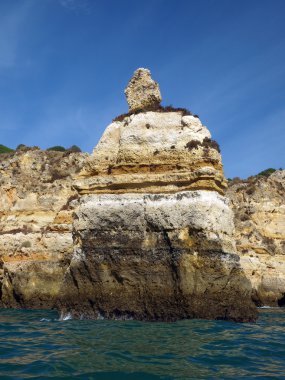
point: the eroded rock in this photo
(142, 91)
(259, 208)
(150, 153)
(156, 257)
(36, 207)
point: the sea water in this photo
(37, 345)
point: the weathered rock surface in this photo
(156, 257)
(259, 207)
(154, 152)
(142, 91)
(36, 243)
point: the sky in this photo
(64, 65)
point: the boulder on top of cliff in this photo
(142, 91)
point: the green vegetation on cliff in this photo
(156, 108)
(24, 148)
(5, 149)
(267, 172)
(58, 148)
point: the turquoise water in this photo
(36, 345)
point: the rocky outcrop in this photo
(142, 91)
(36, 207)
(153, 232)
(139, 229)
(259, 208)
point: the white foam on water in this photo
(65, 317)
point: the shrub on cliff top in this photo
(207, 143)
(5, 149)
(26, 148)
(267, 172)
(157, 108)
(193, 144)
(57, 148)
(74, 149)
(21, 146)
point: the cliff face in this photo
(36, 243)
(259, 207)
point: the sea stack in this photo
(153, 232)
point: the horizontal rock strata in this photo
(36, 207)
(153, 152)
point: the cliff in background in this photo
(259, 207)
(36, 208)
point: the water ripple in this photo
(37, 345)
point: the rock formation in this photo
(36, 207)
(139, 229)
(142, 91)
(153, 231)
(259, 207)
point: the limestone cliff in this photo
(139, 229)
(36, 206)
(153, 232)
(259, 207)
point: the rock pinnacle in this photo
(142, 91)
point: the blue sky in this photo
(65, 63)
